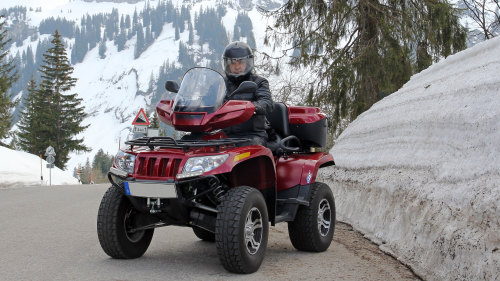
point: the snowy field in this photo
(419, 173)
(23, 169)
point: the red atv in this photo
(228, 193)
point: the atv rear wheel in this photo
(313, 227)
(203, 234)
(241, 229)
(115, 223)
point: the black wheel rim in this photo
(129, 224)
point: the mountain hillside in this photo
(124, 51)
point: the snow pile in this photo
(21, 169)
(419, 173)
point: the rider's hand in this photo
(259, 110)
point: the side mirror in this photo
(172, 86)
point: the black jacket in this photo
(256, 125)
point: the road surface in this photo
(49, 233)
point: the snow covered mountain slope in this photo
(419, 172)
(114, 86)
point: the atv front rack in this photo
(168, 142)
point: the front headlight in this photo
(125, 162)
(204, 163)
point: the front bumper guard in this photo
(156, 189)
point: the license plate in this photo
(152, 190)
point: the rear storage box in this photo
(309, 125)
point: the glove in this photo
(259, 110)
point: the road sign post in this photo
(141, 129)
(50, 153)
(141, 122)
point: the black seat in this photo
(279, 127)
(278, 119)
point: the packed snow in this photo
(20, 168)
(419, 172)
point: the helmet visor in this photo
(236, 67)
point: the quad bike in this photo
(226, 191)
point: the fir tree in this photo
(177, 34)
(236, 33)
(139, 46)
(102, 48)
(155, 121)
(121, 40)
(363, 50)
(8, 76)
(60, 114)
(191, 34)
(100, 166)
(86, 173)
(127, 21)
(32, 123)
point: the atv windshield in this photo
(201, 90)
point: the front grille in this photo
(157, 166)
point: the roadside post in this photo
(50, 153)
(41, 173)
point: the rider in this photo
(238, 62)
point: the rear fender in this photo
(300, 169)
(312, 165)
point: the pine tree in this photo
(8, 76)
(58, 113)
(363, 50)
(139, 46)
(102, 48)
(177, 34)
(191, 34)
(121, 40)
(31, 121)
(86, 172)
(155, 121)
(100, 166)
(236, 33)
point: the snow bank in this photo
(419, 173)
(19, 168)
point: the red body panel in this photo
(304, 114)
(165, 164)
(299, 169)
(289, 171)
(231, 113)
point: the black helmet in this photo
(241, 56)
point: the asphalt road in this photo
(49, 233)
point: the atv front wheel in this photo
(241, 229)
(115, 223)
(313, 227)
